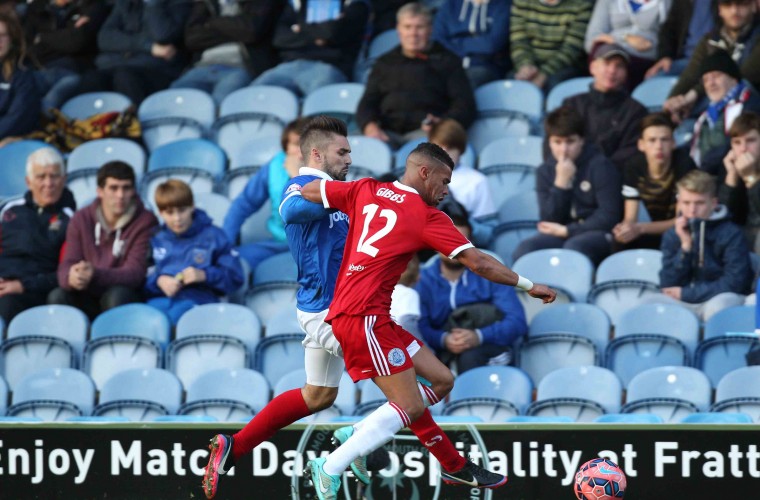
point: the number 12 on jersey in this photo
(366, 243)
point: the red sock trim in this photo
(436, 441)
(280, 412)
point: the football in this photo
(599, 479)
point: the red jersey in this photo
(389, 223)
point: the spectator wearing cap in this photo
(610, 115)
(632, 24)
(728, 97)
(546, 38)
(738, 33)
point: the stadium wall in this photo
(165, 461)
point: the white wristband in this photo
(524, 283)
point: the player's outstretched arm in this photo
(491, 269)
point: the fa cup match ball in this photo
(599, 479)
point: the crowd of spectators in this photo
(607, 158)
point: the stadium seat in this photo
(338, 100)
(512, 151)
(505, 106)
(653, 92)
(214, 204)
(278, 355)
(382, 43)
(652, 335)
(3, 396)
(717, 418)
(526, 419)
(269, 299)
(284, 322)
(507, 236)
(484, 131)
(585, 320)
(227, 395)
(566, 89)
(506, 182)
(542, 354)
(626, 279)
(739, 391)
(184, 419)
(53, 394)
(93, 103)
(13, 159)
(123, 338)
(522, 206)
(198, 162)
(251, 112)
(579, 392)
(175, 114)
(255, 227)
(344, 404)
(253, 153)
(65, 322)
(231, 320)
(729, 336)
(276, 269)
(140, 395)
(565, 270)
(492, 393)
(671, 392)
(370, 157)
(628, 418)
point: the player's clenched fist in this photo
(542, 292)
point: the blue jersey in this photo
(316, 237)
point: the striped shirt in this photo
(549, 37)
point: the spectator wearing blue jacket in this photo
(705, 257)
(19, 97)
(194, 262)
(478, 32)
(481, 336)
(267, 184)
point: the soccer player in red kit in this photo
(390, 222)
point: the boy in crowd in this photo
(650, 179)
(194, 261)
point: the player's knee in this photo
(414, 410)
(319, 398)
(443, 385)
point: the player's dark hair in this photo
(117, 170)
(564, 122)
(319, 131)
(433, 151)
(456, 212)
(656, 120)
(293, 127)
(744, 124)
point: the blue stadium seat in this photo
(3, 396)
(13, 159)
(507, 236)
(232, 320)
(509, 180)
(278, 355)
(542, 354)
(65, 322)
(566, 89)
(227, 395)
(717, 418)
(629, 418)
(270, 299)
(653, 92)
(93, 103)
(214, 204)
(625, 280)
(251, 112)
(526, 419)
(382, 43)
(284, 322)
(255, 227)
(509, 98)
(585, 320)
(339, 100)
(484, 131)
(565, 270)
(184, 419)
(53, 395)
(276, 269)
(522, 206)
(512, 151)
(729, 336)
(492, 393)
(198, 162)
(370, 157)
(253, 153)
(739, 391)
(137, 320)
(671, 392)
(579, 392)
(661, 319)
(189, 357)
(175, 114)
(140, 395)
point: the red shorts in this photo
(373, 346)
